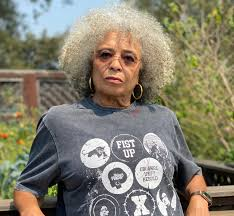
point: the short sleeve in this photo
(42, 169)
(186, 167)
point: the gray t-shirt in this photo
(110, 162)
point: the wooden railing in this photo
(223, 203)
(36, 88)
(217, 173)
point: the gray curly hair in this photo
(157, 59)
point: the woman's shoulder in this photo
(160, 113)
(158, 109)
(64, 108)
(61, 113)
(59, 109)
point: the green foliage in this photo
(16, 136)
(202, 92)
(21, 49)
(9, 99)
(52, 191)
(9, 17)
(9, 172)
(30, 52)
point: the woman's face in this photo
(116, 65)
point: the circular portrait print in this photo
(117, 178)
(154, 145)
(104, 205)
(166, 203)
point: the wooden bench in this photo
(223, 203)
(222, 213)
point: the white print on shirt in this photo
(149, 173)
(154, 145)
(117, 178)
(95, 153)
(167, 207)
(157, 149)
(104, 205)
(126, 147)
(104, 211)
(139, 203)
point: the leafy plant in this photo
(16, 136)
(9, 172)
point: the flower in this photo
(20, 142)
(4, 135)
(18, 114)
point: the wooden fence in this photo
(35, 88)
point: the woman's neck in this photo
(112, 102)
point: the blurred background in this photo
(31, 35)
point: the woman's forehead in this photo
(123, 40)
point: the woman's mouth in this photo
(115, 80)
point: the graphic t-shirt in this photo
(110, 162)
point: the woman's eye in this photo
(129, 59)
(105, 55)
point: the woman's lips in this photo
(113, 79)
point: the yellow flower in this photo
(20, 142)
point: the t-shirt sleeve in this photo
(186, 167)
(42, 169)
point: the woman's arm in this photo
(198, 206)
(27, 204)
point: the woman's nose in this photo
(115, 64)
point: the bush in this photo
(16, 136)
(9, 172)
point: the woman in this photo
(110, 153)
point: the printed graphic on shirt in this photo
(157, 149)
(104, 205)
(117, 178)
(138, 203)
(149, 173)
(126, 147)
(166, 205)
(126, 167)
(95, 153)
(154, 145)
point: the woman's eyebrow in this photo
(130, 52)
(105, 48)
(125, 51)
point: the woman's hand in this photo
(32, 212)
(198, 206)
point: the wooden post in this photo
(30, 90)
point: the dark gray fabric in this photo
(110, 161)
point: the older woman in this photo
(110, 153)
